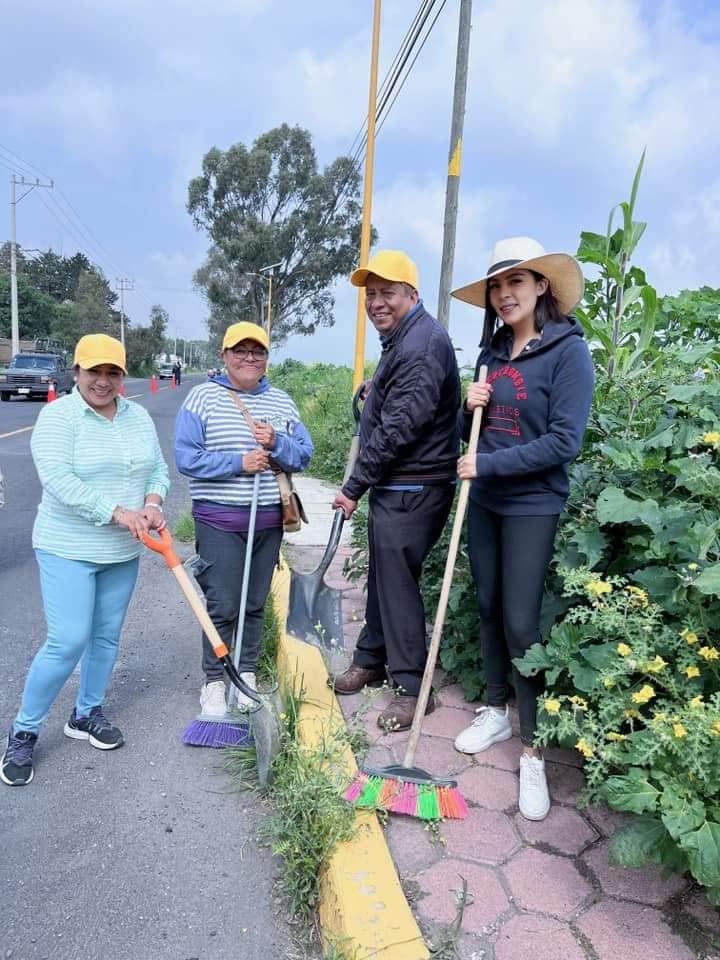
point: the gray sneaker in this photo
(16, 769)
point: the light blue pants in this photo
(85, 606)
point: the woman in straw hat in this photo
(536, 399)
(103, 483)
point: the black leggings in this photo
(509, 557)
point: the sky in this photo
(118, 103)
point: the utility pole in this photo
(359, 365)
(123, 284)
(14, 201)
(270, 271)
(454, 162)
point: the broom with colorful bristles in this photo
(404, 788)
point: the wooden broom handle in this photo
(432, 655)
(200, 612)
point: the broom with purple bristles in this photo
(404, 788)
(208, 731)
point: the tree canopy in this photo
(270, 204)
(67, 297)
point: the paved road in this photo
(144, 853)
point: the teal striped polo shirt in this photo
(88, 465)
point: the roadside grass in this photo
(184, 527)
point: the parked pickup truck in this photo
(30, 375)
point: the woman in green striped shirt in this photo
(104, 480)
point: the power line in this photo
(31, 168)
(71, 222)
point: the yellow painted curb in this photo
(362, 904)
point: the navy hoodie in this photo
(534, 424)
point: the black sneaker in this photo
(96, 728)
(16, 769)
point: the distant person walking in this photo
(177, 372)
(103, 482)
(537, 399)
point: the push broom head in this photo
(407, 790)
(217, 732)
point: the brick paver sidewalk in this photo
(537, 891)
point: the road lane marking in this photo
(14, 432)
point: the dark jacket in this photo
(408, 429)
(534, 424)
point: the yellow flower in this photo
(693, 567)
(716, 728)
(656, 665)
(615, 736)
(697, 703)
(624, 650)
(659, 718)
(633, 715)
(584, 747)
(579, 702)
(608, 682)
(552, 706)
(638, 595)
(709, 653)
(692, 672)
(712, 439)
(644, 694)
(688, 636)
(679, 730)
(597, 588)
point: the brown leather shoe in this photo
(355, 678)
(399, 714)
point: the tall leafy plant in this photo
(620, 307)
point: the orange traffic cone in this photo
(52, 395)
(153, 384)
(173, 383)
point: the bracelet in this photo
(155, 506)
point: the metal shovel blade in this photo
(315, 609)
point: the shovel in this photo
(315, 609)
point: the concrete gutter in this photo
(362, 905)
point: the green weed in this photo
(185, 527)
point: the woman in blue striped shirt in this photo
(217, 449)
(104, 480)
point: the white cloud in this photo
(72, 103)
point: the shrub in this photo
(640, 699)
(323, 395)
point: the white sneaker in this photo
(490, 726)
(244, 702)
(212, 699)
(534, 796)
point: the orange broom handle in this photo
(165, 546)
(445, 590)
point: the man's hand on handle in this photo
(345, 504)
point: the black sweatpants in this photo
(219, 571)
(403, 526)
(509, 558)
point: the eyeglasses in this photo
(257, 353)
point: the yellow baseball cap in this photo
(393, 265)
(96, 348)
(245, 331)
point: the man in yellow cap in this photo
(409, 445)
(229, 430)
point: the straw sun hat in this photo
(563, 271)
